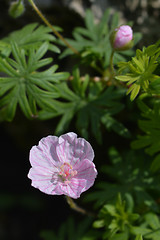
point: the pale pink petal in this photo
(45, 183)
(48, 146)
(74, 188)
(62, 165)
(69, 137)
(44, 155)
(73, 149)
(86, 170)
(38, 159)
(123, 36)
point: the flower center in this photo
(66, 172)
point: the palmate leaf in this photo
(25, 84)
(151, 127)
(30, 36)
(149, 228)
(115, 219)
(140, 70)
(97, 107)
(89, 104)
(92, 41)
(138, 181)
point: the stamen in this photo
(66, 172)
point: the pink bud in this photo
(122, 38)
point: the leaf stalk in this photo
(51, 27)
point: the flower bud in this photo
(122, 38)
(16, 9)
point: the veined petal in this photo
(62, 165)
(39, 159)
(74, 188)
(48, 146)
(73, 149)
(45, 183)
(86, 170)
(69, 137)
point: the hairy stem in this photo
(51, 27)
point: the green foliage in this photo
(151, 127)
(139, 237)
(30, 36)
(23, 84)
(128, 173)
(150, 228)
(92, 41)
(140, 70)
(91, 104)
(69, 230)
(116, 219)
(16, 9)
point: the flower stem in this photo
(74, 206)
(51, 27)
(111, 63)
(111, 67)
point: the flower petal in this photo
(74, 188)
(86, 170)
(45, 183)
(73, 149)
(62, 165)
(44, 155)
(48, 146)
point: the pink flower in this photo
(121, 38)
(62, 165)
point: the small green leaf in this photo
(99, 223)
(139, 237)
(155, 166)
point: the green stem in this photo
(74, 206)
(111, 67)
(111, 63)
(51, 27)
(93, 65)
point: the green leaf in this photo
(140, 72)
(155, 166)
(138, 182)
(139, 237)
(30, 36)
(150, 126)
(112, 124)
(23, 101)
(65, 120)
(93, 43)
(25, 84)
(153, 221)
(140, 231)
(89, 21)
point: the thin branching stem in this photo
(51, 27)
